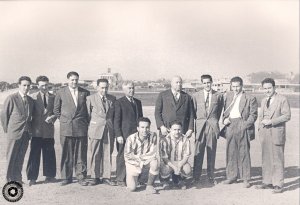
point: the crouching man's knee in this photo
(187, 170)
(154, 167)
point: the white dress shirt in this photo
(235, 111)
(74, 93)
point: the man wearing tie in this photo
(42, 140)
(16, 118)
(275, 112)
(240, 114)
(127, 111)
(208, 105)
(100, 107)
(71, 110)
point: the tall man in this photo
(174, 104)
(127, 111)
(240, 114)
(16, 118)
(70, 107)
(42, 140)
(208, 105)
(101, 136)
(275, 112)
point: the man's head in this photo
(236, 84)
(143, 126)
(175, 129)
(268, 85)
(24, 84)
(102, 86)
(176, 83)
(43, 83)
(128, 88)
(73, 78)
(207, 82)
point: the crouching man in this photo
(140, 155)
(175, 151)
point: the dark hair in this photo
(102, 80)
(268, 80)
(143, 119)
(206, 77)
(237, 79)
(42, 78)
(72, 73)
(24, 78)
(175, 122)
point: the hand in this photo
(189, 133)
(120, 140)
(226, 121)
(164, 130)
(49, 120)
(176, 170)
(266, 122)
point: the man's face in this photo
(175, 130)
(24, 87)
(128, 90)
(236, 87)
(207, 84)
(176, 84)
(143, 129)
(102, 88)
(73, 81)
(43, 86)
(268, 89)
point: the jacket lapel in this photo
(213, 99)
(273, 106)
(229, 99)
(21, 103)
(99, 102)
(242, 103)
(182, 99)
(68, 93)
(171, 99)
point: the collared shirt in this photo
(140, 152)
(235, 111)
(175, 149)
(176, 94)
(22, 95)
(130, 99)
(74, 93)
(209, 97)
(46, 94)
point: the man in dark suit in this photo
(127, 111)
(101, 135)
(71, 110)
(208, 105)
(174, 104)
(275, 112)
(16, 118)
(42, 139)
(240, 114)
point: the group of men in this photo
(89, 124)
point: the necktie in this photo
(25, 104)
(176, 96)
(207, 102)
(268, 102)
(45, 101)
(104, 103)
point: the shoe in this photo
(264, 186)
(82, 182)
(277, 190)
(195, 182)
(50, 179)
(109, 182)
(32, 182)
(65, 182)
(246, 184)
(181, 185)
(229, 181)
(212, 181)
(150, 189)
(121, 184)
(94, 182)
(166, 185)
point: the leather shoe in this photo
(264, 186)
(120, 183)
(50, 179)
(246, 184)
(32, 182)
(109, 182)
(82, 182)
(277, 190)
(94, 182)
(65, 182)
(212, 181)
(229, 181)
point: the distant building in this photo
(115, 79)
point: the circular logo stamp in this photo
(12, 191)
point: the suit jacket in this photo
(125, 119)
(280, 114)
(39, 127)
(100, 118)
(212, 117)
(248, 108)
(73, 120)
(14, 117)
(167, 111)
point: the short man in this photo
(174, 104)
(101, 138)
(208, 105)
(240, 114)
(141, 156)
(127, 111)
(275, 112)
(42, 139)
(16, 118)
(71, 110)
(175, 151)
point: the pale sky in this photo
(146, 40)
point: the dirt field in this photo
(203, 194)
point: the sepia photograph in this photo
(166, 102)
